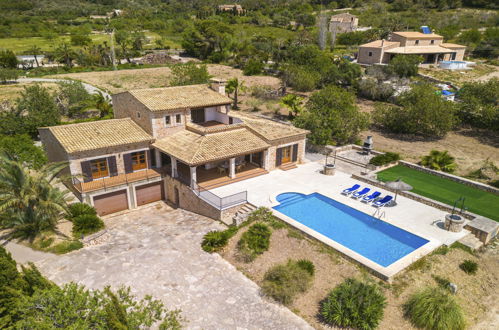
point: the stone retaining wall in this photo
(452, 177)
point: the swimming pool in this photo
(372, 238)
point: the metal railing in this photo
(114, 181)
(220, 203)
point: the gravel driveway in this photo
(156, 250)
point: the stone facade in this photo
(270, 159)
(126, 106)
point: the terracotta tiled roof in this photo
(179, 97)
(418, 35)
(418, 50)
(451, 46)
(98, 134)
(343, 17)
(268, 129)
(377, 43)
(195, 149)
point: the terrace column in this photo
(232, 168)
(158, 158)
(193, 177)
(174, 167)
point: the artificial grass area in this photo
(445, 190)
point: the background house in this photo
(343, 22)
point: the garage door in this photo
(149, 193)
(112, 202)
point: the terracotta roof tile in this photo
(268, 129)
(418, 35)
(179, 97)
(195, 149)
(98, 134)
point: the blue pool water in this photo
(374, 239)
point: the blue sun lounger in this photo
(351, 189)
(370, 198)
(384, 201)
(361, 193)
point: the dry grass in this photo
(458, 77)
(123, 80)
(9, 93)
(476, 293)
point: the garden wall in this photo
(452, 177)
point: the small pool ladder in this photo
(380, 213)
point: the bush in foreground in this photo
(87, 224)
(384, 159)
(435, 309)
(469, 267)
(77, 209)
(254, 242)
(284, 282)
(354, 304)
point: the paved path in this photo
(157, 251)
(90, 88)
(23, 254)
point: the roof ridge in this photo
(88, 123)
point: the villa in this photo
(428, 45)
(174, 144)
(343, 22)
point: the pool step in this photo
(243, 213)
(288, 166)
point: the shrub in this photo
(354, 304)
(87, 224)
(284, 282)
(384, 158)
(77, 209)
(440, 161)
(66, 246)
(254, 242)
(253, 67)
(404, 65)
(214, 241)
(306, 265)
(469, 267)
(435, 309)
(266, 215)
(374, 90)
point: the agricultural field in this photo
(445, 190)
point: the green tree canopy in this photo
(422, 112)
(404, 65)
(479, 103)
(206, 38)
(22, 149)
(72, 97)
(332, 117)
(8, 59)
(189, 74)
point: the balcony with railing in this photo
(114, 181)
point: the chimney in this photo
(218, 85)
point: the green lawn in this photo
(445, 190)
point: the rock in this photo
(453, 288)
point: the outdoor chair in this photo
(384, 201)
(350, 190)
(361, 193)
(370, 198)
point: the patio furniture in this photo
(350, 190)
(370, 198)
(221, 170)
(361, 193)
(384, 201)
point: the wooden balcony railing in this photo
(117, 180)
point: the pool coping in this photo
(385, 273)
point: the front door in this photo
(286, 155)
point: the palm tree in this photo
(234, 86)
(102, 103)
(35, 50)
(440, 161)
(65, 53)
(29, 203)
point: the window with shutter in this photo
(278, 157)
(294, 156)
(86, 171)
(113, 169)
(127, 160)
(99, 168)
(139, 161)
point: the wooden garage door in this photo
(149, 193)
(112, 202)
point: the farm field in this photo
(445, 190)
(9, 93)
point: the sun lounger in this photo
(370, 198)
(361, 193)
(351, 189)
(384, 201)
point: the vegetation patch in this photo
(216, 240)
(384, 159)
(461, 246)
(65, 247)
(254, 241)
(353, 304)
(445, 190)
(284, 282)
(469, 267)
(86, 224)
(435, 309)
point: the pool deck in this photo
(412, 216)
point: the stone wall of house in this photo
(118, 151)
(452, 177)
(272, 152)
(159, 127)
(55, 151)
(127, 106)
